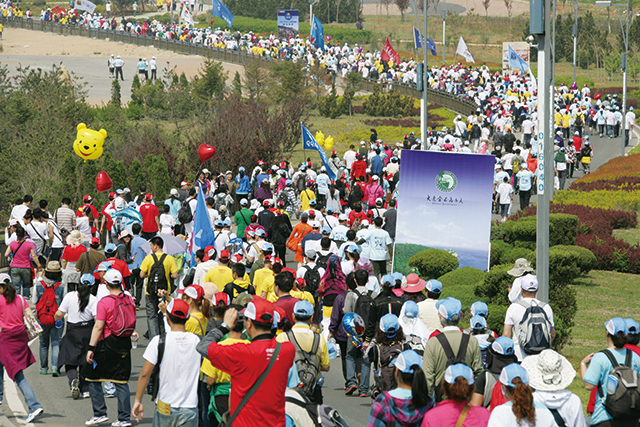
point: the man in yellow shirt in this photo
(221, 274)
(264, 277)
(305, 340)
(158, 285)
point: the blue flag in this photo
(310, 143)
(419, 38)
(220, 10)
(515, 61)
(202, 232)
(317, 33)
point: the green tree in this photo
(136, 174)
(353, 80)
(210, 82)
(115, 93)
(157, 173)
(116, 170)
(288, 81)
(135, 90)
(612, 64)
(237, 84)
(256, 79)
(329, 106)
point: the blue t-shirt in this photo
(598, 374)
(525, 177)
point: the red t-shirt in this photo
(245, 363)
(106, 215)
(73, 254)
(353, 215)
(577, 143)
(149, 212)
(106, 310)
(287, 303)
(120, 265)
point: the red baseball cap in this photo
(224, 254)
(266, 202)
(148, 197)
(221, 296)
(259, 310)
(112, 195)
(95, 241)
(178, 308)
(195, 292)
(87, 198)
(183, 183)
(209, 252)
(268, 258)
(277, 260)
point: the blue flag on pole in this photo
(419, 38)
(310, 143)
(202, 232)
(515, 61)
(317, 33)
(220, 10)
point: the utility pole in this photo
(540, 25)
(444, 33)
(424, 129)
(575, 37)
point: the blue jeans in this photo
(25, 388)
(100, 407)
(21, 281)
(152, 315)
(354, 355)
(610, 131)
(180, 417)
(53, 335)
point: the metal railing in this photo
(452, 102)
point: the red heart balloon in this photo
(103, 182)
(205, 152)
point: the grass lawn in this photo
(601, 295)
(631, 235)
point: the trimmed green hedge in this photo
(461, 284)
(433, 263)
(563, 229)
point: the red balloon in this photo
(103, 182)
(597, 96)
(206, 152)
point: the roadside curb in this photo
(4, 421)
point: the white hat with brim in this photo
(549, 371)
(521, 266)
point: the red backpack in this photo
(47, 306)
(124, 320)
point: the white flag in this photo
(186, 17)
(464, 51)
(84, 5)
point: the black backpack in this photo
(312, 279)
(231, 289)
(157, 276)
(323, 260)
(306, 364)
(624, 403)
(534, 333)
(363, 304)
(184, 214)
(578, 120)
(452, 359)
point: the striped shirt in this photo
(65, 217)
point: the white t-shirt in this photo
(377, 240)
(179, 369)
(82, 224)
(213, 216)
(349, 158)
(71, 306)
(166, 223)
(503, 416)
(505, 191)
(514, 315)
(18, 212)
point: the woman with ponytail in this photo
(458, 385)
(521, 410)
(80, 307)
(199, 309)
(405, 405)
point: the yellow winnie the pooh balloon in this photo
(88, 143)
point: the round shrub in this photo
(433, 263)
(498, 249)
(497, 314)
(510, 256)
(585, 258)
(564, 305)
(495, 287)
(461, 284)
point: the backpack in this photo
(624, 402)
(320, 415)
(184, 214)
(383, 374)
(301, 183)
(362, 306)
(47, 306)
(323, 260)
(558, 418)
(157, 276)
(534, 333)
(312, 279)
(578, 120)
(490, 381)
(231, 289)
(452, 359)
(124, 320)
(306, 364)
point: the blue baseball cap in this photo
(103, 266)
(406, 360)
(303, 309)
(330, 209)
(312, 202)
(389, 324)
(615, 325)
(288, 182)
(227, 222)
(632, 326)
(411, 309)
(87, 278)
(434, 286)
(502, 346)
(219, 223)
(266, 247)
(110, 247)
(511, 372)
(458, 370)
(478, 322)
(397, 276)
(449, 308)
(479, 308)
(326, 230)
(388, 278)
(260, 232)
(241, 169)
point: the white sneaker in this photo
(86, 395)
(97, 420)
(121, 424)
(75, 391)
(35, 414)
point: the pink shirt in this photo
(22, 259)
(11, 314)
(446, 414)
(106, 311)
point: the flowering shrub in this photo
(616, 168)
(601, 199)
(619, 184)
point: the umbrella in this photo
(172, 245)
(494, 100)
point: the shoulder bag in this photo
(228, 420)
(30, 323)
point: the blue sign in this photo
(288, 23)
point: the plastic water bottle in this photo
(134, 343)
(333, 350)
(59, 323)
(612, 384)
(321, 381)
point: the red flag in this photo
(389, 54)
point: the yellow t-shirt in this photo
(220, 275)
(197, 324)
(304, 336)
(169, 267)
(263, 280)
(219, 376)
(305, 196)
